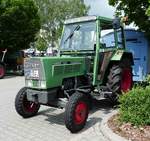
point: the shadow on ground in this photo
(53, 116)
(105, 105)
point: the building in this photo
(138, 44)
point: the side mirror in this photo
(116, 23)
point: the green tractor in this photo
(85, 68)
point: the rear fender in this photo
(117, 57)
(120, 55)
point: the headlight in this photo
(29, 83)
(43, 84)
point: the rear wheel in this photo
(76, 112)
(126, 79)
(24, 107)
(2, 71)
(120, 79)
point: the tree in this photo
(148, 10)
(41, 44)
(138, 11)
(19, 23)
(54, 12)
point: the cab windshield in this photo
(79, 36)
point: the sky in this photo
(100, 7)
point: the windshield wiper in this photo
(72, 33)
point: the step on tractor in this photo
(84, 69)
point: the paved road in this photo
(48, 125)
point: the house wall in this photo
(137, 43)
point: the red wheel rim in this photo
(126, 80)
(81, 111)
(2, 71)
(29, 106)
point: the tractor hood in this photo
(49, 72)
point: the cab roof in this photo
(88, 18)
(105, 22)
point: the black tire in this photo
(23, 106)
(120, 79)
(2, 71)
(75, 119)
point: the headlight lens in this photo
(43, 84)
(29, 83)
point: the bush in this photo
(135, 106)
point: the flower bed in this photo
(133, 120)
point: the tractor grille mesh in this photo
(66, 69)
(77, 67)
(58, 70)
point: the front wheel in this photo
(24, 107)
(76, 112)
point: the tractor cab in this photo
(83, 37)
(82, 34)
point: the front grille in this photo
(33, 69)
(66, 69)
(58, 70)
(77, 67)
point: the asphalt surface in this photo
(48, 125)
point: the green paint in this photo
(97, 53)
(117, 55)
(123, 37)
(116, 38)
